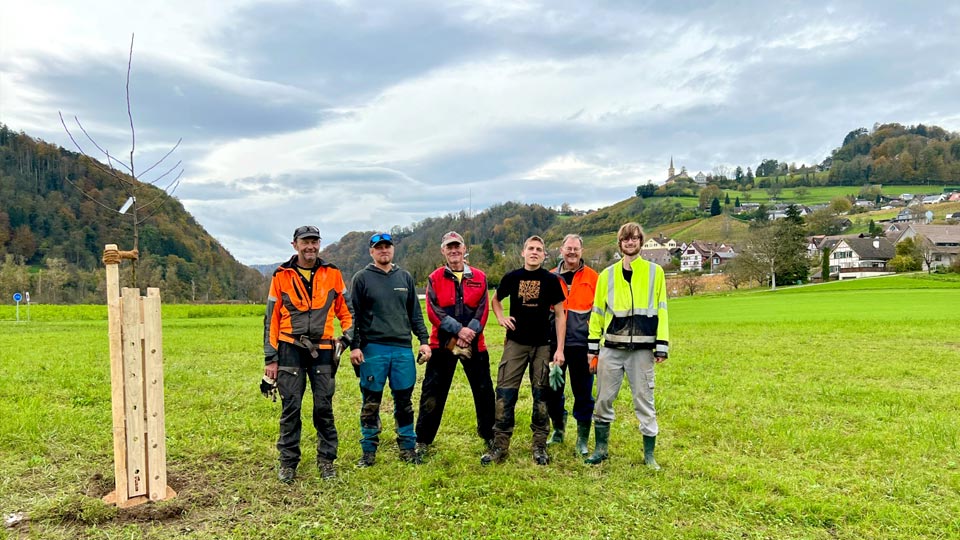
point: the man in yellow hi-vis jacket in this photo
(629, 320)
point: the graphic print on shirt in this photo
(529, 290)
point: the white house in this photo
(939, 243)
(853, 258)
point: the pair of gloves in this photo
(268, 386)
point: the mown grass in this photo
(811, 412)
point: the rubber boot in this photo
(649, 443)
(602, 431)
(558, 428)
(583, 436)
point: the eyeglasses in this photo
(377, 238)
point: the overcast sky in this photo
(364, 115)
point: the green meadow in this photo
(820, 412)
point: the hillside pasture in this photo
(819, 412)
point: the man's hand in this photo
(593, 363)
(558, 358)
(660, 358)
(424, 353)
(356, 357)
(271, 369)
(507, 322)
(465, 335)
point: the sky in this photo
(355, 115)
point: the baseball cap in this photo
(381, 238)
(450, 238)
(306, 231)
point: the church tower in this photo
(671, 171)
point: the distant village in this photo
(850, 255)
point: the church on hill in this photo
(673, 175)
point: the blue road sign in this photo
(17, 297)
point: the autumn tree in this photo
(141, 187)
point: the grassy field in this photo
(813, 195)
(818, 412)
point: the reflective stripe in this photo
(614, 338)
(653, 277)
(611, 278)
(632, 312)
(599, 311)
(663, 305)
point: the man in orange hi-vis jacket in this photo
(306, 293)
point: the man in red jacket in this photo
(457, 307)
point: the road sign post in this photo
(17, 297)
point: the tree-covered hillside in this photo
(56, 215)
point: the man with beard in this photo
(306, 293)
(533, 292)
(387, 310)
(630, 319)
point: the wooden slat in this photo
(133, 387)
(114, 318)
(153, 374)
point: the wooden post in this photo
(136, 377)
(114, 317)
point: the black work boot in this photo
(602, 430)
(286, 474)
(327, 470)
(540, 455)
(583, 436)
(410, 455)
(649, 443)
(494, 455)
(422, 449)
(367, 460)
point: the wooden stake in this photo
(114, 318)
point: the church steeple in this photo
(671, 171)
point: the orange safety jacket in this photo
(579, 303)
(293, 313)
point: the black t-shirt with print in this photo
(532, 293)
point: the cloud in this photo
(360, 116)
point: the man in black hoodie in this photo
(386, 311)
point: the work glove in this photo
(556, 377)
(268, 387)
(338, 348)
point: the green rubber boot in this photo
(602, 431)
(649, 443)
(583, 436)
(558, 428)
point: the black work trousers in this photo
(581, 383)
(436, 387)
(296, 366)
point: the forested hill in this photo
(896, 154)
(52, 235)
(495, 236)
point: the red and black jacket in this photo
(451, 305)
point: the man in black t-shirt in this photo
(533, 293)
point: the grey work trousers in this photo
(637, 365)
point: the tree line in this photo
(52, 235)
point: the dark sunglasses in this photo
(377, 238)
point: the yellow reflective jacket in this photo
(630, 315)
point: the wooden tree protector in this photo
(156, 438)
(136, 377)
